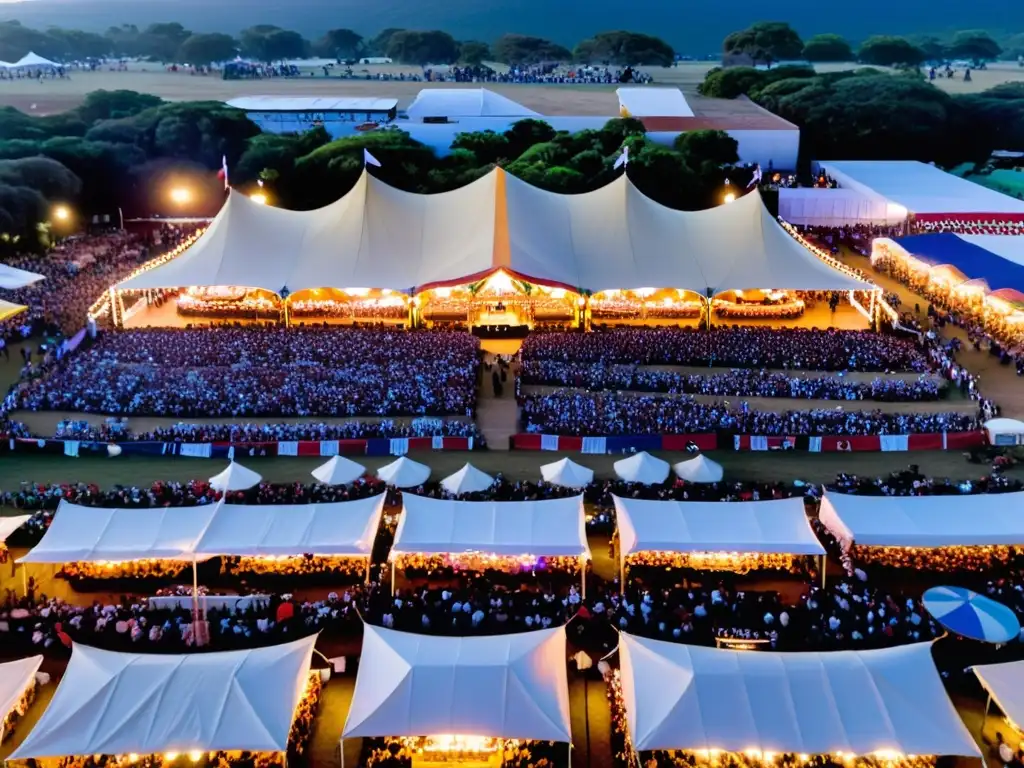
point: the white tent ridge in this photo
(1005, 684)
(988, 519)
(567, 473)
(547, 528)
(642, 468)
(403, 472)
(468, 479)
(699, 469)
(339, 471)
(856, 702)
(503, 686)
(465, 102)
(611, 238)
(111, 703)
(9, 525)
(235, 478)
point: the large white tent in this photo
(1005, 685)
(645, 101)
(567, 473)
(32, 59)
(9, 525)
(547, 528)
(403, 472)
(829, 207)
(464, 102)
(503, 686)
(642, 468)
(12, 278)
(112, 703)
(339, 471)
(699, 469)
(92, 534)
(380, 237)
(15, 678)
(925, 521)
(855, 702)
(345, 528)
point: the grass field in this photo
(47, 97)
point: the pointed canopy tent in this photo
(12, 278)
(31, 59)
(15, 678)
(10, 309)
(465, 102)
(699, 469)
(503, 686)
(339, 471)
(403, 472)
(548, 528)
(856, 702)
(235, 478)
(380, 237)
(975, 520)
(779, 526)
(642, 468)
(1005, 684)
(9, 525)
(469, 479)
(340, 528)
(567, 473)
(112, 703)
(94, 534)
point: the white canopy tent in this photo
(567, 473)
(699, 469)
(925, 521)
(465, 102)
(9, 525)
(112, 703)
(502, 686)
(15, 679)
(32, 59)
(855, 702)
(96, 534)
(653, 102)
(346, 528)
(380, 237)
(10, 309)
(339, 471)
(12, 278)
(235, 478)
(404, 473)
(642, 468)
(1003, 431)
(816, 207)
(469, 479)
(779, 526)
(1005, 686)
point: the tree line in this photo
(171, 42)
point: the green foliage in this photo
(730, 82)
(265, 42)
(110, 105)
(204, 49)
(975, 45)
(339, 43)
(827, 48)
(415, 47)
(473, 53)
(715, 147)
(888, 51)
(524, 49)
(625, 49)
(765, 41)
(932, 47)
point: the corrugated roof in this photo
(312, 104)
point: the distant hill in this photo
(696, 27)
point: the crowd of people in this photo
(741, 382)
(570, 412)
(550, 73)
(240, 372)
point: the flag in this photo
(222, 174)
(756, 178)
(623, 160)
(369, 159)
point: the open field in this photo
(49, 96)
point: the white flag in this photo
(756, 178)
(224, 171)
(369, 159)
(623, 159)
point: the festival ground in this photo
(50, 96)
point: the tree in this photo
(76, 45)
(524, 49)
(414, 47)
(527, 133)
(731, 82)
(933, 48)
(487, 146)
(265, 42)
(625, 49)
(765, 41)
(473, 53)
(108, 105)
(976, 46)
(162, 41)
(888, 51)
(205, 49)
(827, 48)
(378, 46)
(340, 44)
(715, 147)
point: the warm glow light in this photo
(730, 197)
(499, 282)
(180, 195)
(442, 293)
(133, 758)
(171, 756)
(259, 198)
(61, 213)
(558, 293)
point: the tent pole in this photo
(392, 578)
(195, 604)
(823, 575)
(341, 749)
(622, 571)
(583, 577)
(368, 568)
(24, 578)
(984, 717)
(569, 756)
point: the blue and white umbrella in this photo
(972, 615)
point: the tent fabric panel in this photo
(552, 527)
(9, 525)
(113, 703)
(503, 686)
(12, 278)
(653, 102)
(689, 697)
(926, 521)
(15, 678)
(1005, 684)
(973, 261)
(836, 207)
(776, 526)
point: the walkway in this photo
(496, 416)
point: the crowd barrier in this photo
(376, 446)
(709, 442)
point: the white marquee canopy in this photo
(547, 528)
(767, 527)
(857, 702)
(1005, 684)
(502, 686)
(642, 468)
(925, 521)
(111, 703)
(377, 236)
(15, 678)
